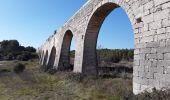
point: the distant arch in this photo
(64, 61)
(45, 59)
(41, 56)
(52, 58)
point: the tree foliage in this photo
(11, 50)
(115, 55)
(111, 55)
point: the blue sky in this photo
(31, 22)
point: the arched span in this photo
(91, 35)
(41, 57)
(64, 61)
(45, 59)
(52, 58)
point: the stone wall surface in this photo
(150, 20)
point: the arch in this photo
(45, 59)
(90, 42)
(41, 57)
(64, 60)
(52, 58)
(39, 52)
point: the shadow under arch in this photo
(64, 61)
(90, 42)
(51, 62)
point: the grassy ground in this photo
(33, 84)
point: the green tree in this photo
(11, 49)
(30, 49)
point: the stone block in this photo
(168, 29)
(149, 5)
(163, 49)
(149, 33)
(146, 50)
(159, 2)
(166, 5)
(147, 39)
(160, 56)
(164, 13)
(162, 37)
(152, 44)
(151, 56)
(154, 63)
(161, 30)
(167, 56)
(155, 25)
(153, 50)
(165, 23)
(136, 51)
(149, 18)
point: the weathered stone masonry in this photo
(150, 20)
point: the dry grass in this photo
(34, 84)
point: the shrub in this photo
(20, 57)
(18, 68)
(23, 57)
(4, 70)
(10, 56)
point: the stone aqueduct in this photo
(150, 20)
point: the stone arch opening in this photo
(90, 43)
(72, 52)
(52, 58)
(45, 59)
(41, 56)
(64, 61)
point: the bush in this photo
(4, 70)
(115, 59)
(20, 57)
(10, 56)
(18, 68)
